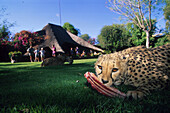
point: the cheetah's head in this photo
(110, 69)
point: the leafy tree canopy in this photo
(69, 27)
(4, 26)
(167, 14)
(139, 12)
(138, 36)
(85, 37)
(113, 37)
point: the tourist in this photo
(36, 52)
(72, 51)
(42, 54)
(77, 51)
(53, 51)
(83, 54)
(30, 51)
(91, 53)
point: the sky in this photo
(89, 16)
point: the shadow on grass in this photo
(10, 64)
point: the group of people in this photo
(38, 53)
(77, 51)
(41, 53)
(72, 52)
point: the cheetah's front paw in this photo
(135, 94)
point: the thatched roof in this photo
(62, 39)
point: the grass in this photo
(27, 87)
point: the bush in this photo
(17, 54)
(107, 51)
(162, 41)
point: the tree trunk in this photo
(147, 39)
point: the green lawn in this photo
(26, 86)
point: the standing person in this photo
(91, 53)
(83, 53)
(30, 51)
(71, 51)
(53, 51)
(77, 51)
(36, 52)
(42, 54)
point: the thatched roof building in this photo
(63, 40)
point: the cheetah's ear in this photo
(100, 57)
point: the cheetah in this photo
(146, 69)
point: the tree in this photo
(85, 37)
(137, 11)
(113, 37)
(162, 41)
(105, 38)
(4, 27)
(138, 36)
(4, 33)
(5, 40)
(69, 27)
(167, 14)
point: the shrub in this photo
(17, 54)
(107, 51)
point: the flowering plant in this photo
(92, 41)
(27, 38)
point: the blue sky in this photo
(87, 15)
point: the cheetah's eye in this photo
(100, 67)
(114, 69)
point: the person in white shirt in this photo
(42, 54)
(36, 52)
